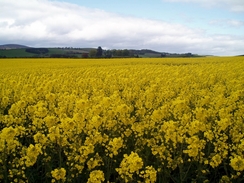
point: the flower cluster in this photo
(58, 174)
(96, 176)
(130, 164)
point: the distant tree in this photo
(125, 53)
(163, 54)
(37, 50)
(119, 53)
(188, 54)
(99, 51)
(131, 53)
(93, 53)
(108, 53)
(84, 55)
(114, 52)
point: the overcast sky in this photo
(213, 27)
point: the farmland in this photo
(122, 120)
(51, 52)
(22, 51)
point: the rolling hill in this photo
(12, 46)
(22, 51)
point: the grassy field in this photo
(122, 120)
(15, 53)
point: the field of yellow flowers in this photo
(122, 120)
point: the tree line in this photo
(100, 53)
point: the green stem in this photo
(181, 165)
(108, 169)
(187, 171)
(5, 164)
(60, 156)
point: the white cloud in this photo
(46, 23)
(235, 23)
(233, 5)
(225, 23)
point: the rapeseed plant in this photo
(125, 120)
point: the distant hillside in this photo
(22, 51)
(12, 46)
(7, 51)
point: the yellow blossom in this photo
(96, 176)
(237, 163)
(59, 174)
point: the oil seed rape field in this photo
(122, 120)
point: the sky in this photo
(205, 27)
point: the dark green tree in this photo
(99, 51)
(125, 53)
(92, 53)
(108, 53)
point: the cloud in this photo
(233, 5)
(50, 23)
(235, 23)
(227, 23)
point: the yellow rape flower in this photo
(225, 179)
(149, 175)
(50, 121)
(8, 133)
(130, 164)
(96, 176)
(5, 101)
(31, 154)
(94, 162)
(237, 163)
(114, 145)
(40, 138)
(215, 161)
(59, 174)
(81, 104)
